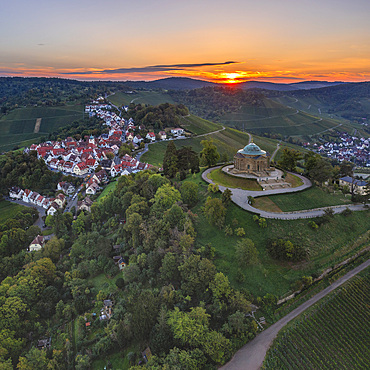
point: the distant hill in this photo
(347, 100)
(170, 83)
(304, 85)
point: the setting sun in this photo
(230, 77)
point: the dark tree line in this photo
(158, 117)
(214, 102)
(180, 161)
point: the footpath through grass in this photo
(331, 334)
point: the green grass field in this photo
(17, 128)
(333, 334)
(108, 189)
(314, 197)
(198, 126)
(330, 244)
(140, 97)
(9, 210)
(227, 141)
(224, 179)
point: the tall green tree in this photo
(215, 212)
(209, 154)
(289, 159)
(246, 252)
(170, 160)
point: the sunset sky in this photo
(221, 41)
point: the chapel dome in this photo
(252, 149)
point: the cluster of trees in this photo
(26, 171)
(18, 91)
(180, 161)
(79, 129)
(170, 295)
(16, 234)
(158, 117)
(285, 250)
(213, 102)
(320, 169)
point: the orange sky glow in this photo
(267, 40)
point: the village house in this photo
(92, 189)
(15, 192)
(52, 209)
(84, 205)
(101, 176)
(60, 199)
(66, 187)
(26, 195)
(358, 186)
(37, 243)
(177, 131)
(150, 136)
(80, 169)
(162, 135)
(137, 139)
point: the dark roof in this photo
(354, 181)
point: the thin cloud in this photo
(157, 68)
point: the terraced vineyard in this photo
(332, 335)
(273, 117)
(18, 127)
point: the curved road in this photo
(240, 197)
(251, 356)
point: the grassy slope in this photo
(275, 117)
(18, 125)
(198, 126)
(307, 199)
(227, 141)
(8, 210)
(333, 329)
(331, 243)
(108, 189)
(144, 97)
(313, 106)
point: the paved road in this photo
(251, 356)
(240, 197)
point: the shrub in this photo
(347, 212)
(285, 250)
(240, 231)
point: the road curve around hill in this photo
(240, 197)
(252, 355)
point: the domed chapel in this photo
(252, 160)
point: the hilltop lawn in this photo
(330, 244)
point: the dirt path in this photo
(252, 355)
(37, 125)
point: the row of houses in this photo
(346, 148)
(33, 197)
